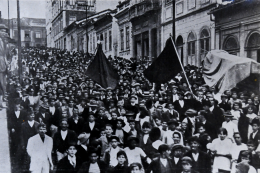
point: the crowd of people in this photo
(61, 120)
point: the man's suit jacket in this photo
(177, 166)
(60, 144)
(95, 132)
(203, 164)
(78, 128)
(167, 116)
(14, 122)
(155, 166)
(55, 118)
(181, 110)
(256, 138)
(64, 166)
(85, 167)
(39, 151)
(146, 146)
(27, 131)
(104, 144)
(46, 119)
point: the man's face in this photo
(114, 143)
(93, 157)
(237, 139)
(200, 94)
(75, 112)
(251, 147)
(109, 130)
(72, 151)
(234, 95)
(132, 144)
(31, 117)
(64, 125)
(170, 106)
(91, 118)
(119, 124)
(201, 130)
(177, 153)
(255, 127)
(146, 130)
(71, 103)
(194, 146)
(42, 131)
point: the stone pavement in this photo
(5, 164)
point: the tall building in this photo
(33, 31)
(195, 31)
(64, 12)
(238, 32)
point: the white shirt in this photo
(211, 108)
(195, 156)
(71, 111)
(93, 168)
(236, 150)
(145, 138)
(17, 113)
(91, 125)
(31, 123)
(113, 156)
(43, 114)
(181, 103)
(163, 161)
(134, 155)
(52, 110)
(176, 160)
(63, 134)
(254, 133)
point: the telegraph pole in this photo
(19, 42)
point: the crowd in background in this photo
(61, 120)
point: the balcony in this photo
(140, 8)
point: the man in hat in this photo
(39, 149)
(224, 103)
(191, 121)
(62, 138)
(110, 155)
(82, 148)
(201, 161)
(44, 117)
(176, 155)
(162, 164)
(71, 163)
(76, 123)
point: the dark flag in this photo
(101, 71)
(165, 67)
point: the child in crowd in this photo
(122, 166)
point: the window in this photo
(191, 44)
(254, 41)
(110, 40)
(105, 46)
(26, 34)
(122, 38)
(37, 34)
(230, 44)
(127, 38)
(72, 42)
(90, 42)
(167, 1)
(204, 41)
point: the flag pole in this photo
(182, 66)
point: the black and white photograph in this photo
(130, 86)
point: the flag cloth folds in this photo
(165, 67)
(101, 71)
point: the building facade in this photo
(33, 31)
(239, 32)
(65, 13)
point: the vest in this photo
(164, 169)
